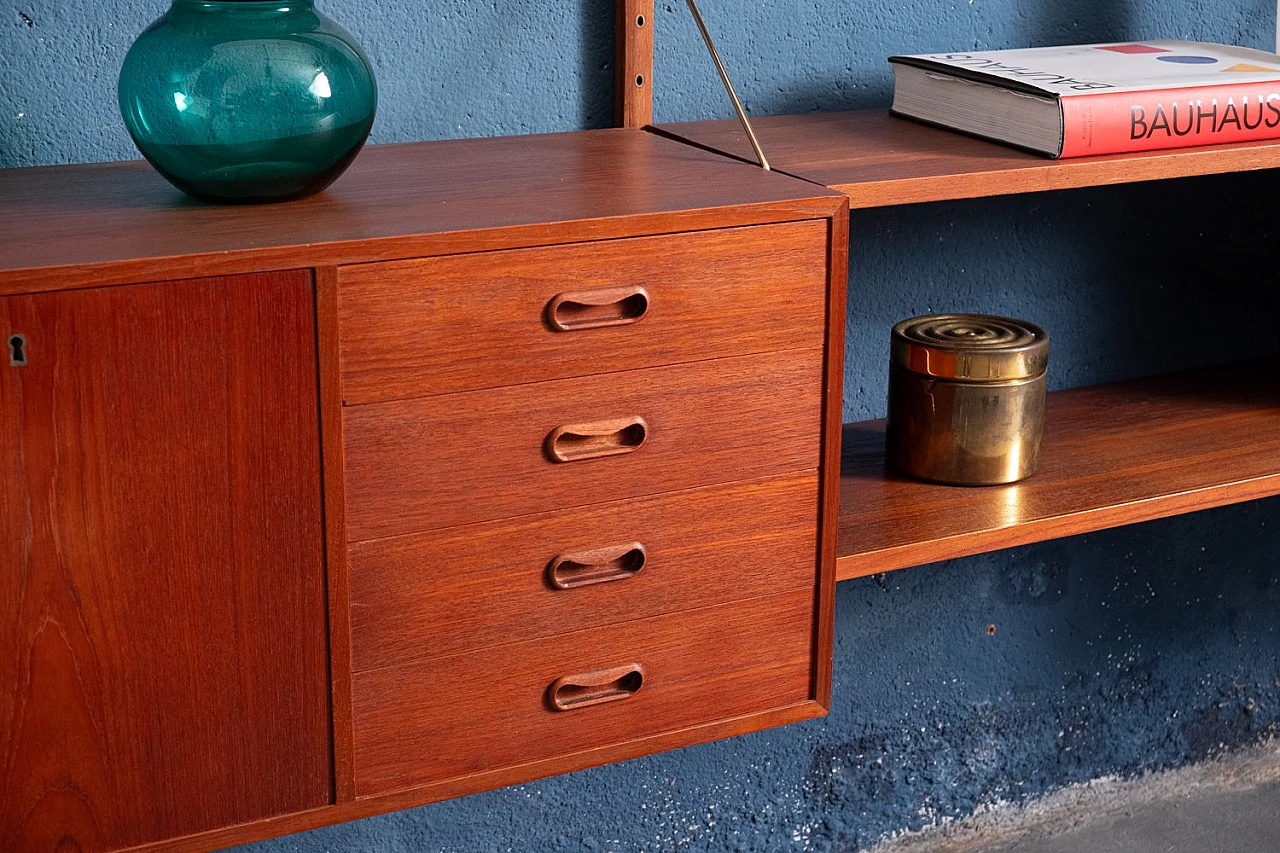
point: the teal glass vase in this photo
(247, 100)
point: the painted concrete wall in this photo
(1116, 652)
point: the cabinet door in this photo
(162, 640)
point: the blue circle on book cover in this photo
(1188, 60)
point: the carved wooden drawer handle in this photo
(599, 565)
(576, 442)
(595, 309)
(596, 688)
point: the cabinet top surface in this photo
(113, 222)
(878, 159)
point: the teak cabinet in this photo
(595, 482)
(162, 603)
(501, 458)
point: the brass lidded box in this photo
(966, 398)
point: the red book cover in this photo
(1079, 100)
(1111, 122)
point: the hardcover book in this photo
(1077, 100)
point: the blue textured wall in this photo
(1117, 652)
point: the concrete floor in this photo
(1231, 804)
(1243, 822)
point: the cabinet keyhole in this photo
(17, 350)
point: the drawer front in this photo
(436, 462)
(433, 594)
(439, 325)
(448, 717)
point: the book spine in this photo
(1115, 122)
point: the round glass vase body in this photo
(247, 100)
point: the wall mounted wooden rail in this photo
(633, 75)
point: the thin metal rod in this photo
(724, 75)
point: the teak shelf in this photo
(1112, 454)
(878, 160)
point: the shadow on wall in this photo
(832, 56)
(867, 80)
(957, 684)
(596, 57)
(1128, 281)
(1050, 22)
(1004, 676)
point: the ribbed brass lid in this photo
(970, 347)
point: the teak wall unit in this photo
(502, 458)
(499, 459)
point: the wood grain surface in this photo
(162, 644)
(880, 160)
(1111, 455)
(703, 546)
(418, 465)
(433, 326)
(455, 716)
(832, 415)
(235, 697)
(633, 70)
(498, 777)
(111, 223)
(337, 575)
